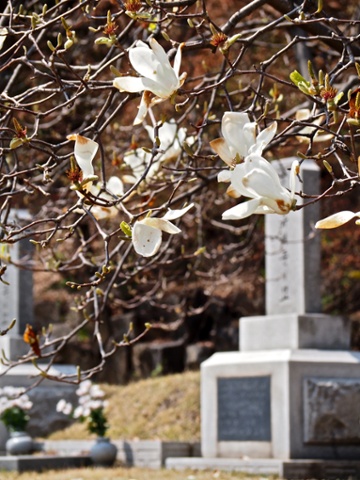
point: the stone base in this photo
(44, 418)
(24, 463)
(281, 404)
(132, 453)
(292, 469)
(308, 331)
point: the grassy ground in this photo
(125, 474)
(165, 408)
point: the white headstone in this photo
(16, 293)
(292, 392)
(292, 267)
(292, 262)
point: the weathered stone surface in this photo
(44, 418)
(292, 260)
(329, 406)
(244, 409)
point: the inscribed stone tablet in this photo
(332, 411)
(244, 409)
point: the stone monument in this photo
(16, 295)
(292, 393)
(16, 302)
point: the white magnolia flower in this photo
(147, 233)
(84, 152)
(303, 115)
(158, 77)
(139, 160)
(257, 179)
(240, 138)
(338, 219)
(171, 139)
(114, 188)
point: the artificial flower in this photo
(90, 409)
(147, 233)
(239, 138)
(337, 219)
(157, 76)
(304, 115)
(257, 179)
(14, 405)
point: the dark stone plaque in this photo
(244, 409)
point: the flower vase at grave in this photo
(103, 452)
(19, 443)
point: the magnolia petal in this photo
(174, 214)
(155, 67)
(3, 35)
(265, 137)
(144, 61)
(162, 224)
(302, 114)
(224, 176)
(238, 132)
(84, 151)
(248, 140)
(146, 239)
(242, 210)
(295, 167)
(129, 84)
(220, 146)
(263, 185)
(177, 59)
(143, 108)
(115, 186)
(232, 192)
(336, 220)
(104, 212)
(237, 176)
(159, 52)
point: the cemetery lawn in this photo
(126, 474)
(165, 408)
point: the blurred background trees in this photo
(58, 61)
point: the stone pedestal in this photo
(284, 404)
(293, 391)
(270, 332)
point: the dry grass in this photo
(125, 474)
(165, 408)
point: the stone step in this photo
(292, 469)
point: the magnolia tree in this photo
(139, 133)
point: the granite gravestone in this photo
(16, 302)
(244, 409)
(312, 409)
(16, 293)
